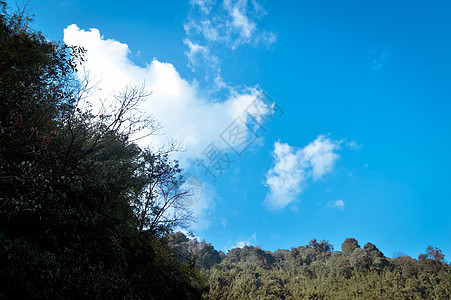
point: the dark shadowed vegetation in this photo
(82, 207)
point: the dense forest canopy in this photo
(316, 271)
(86, 213)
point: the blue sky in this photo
(362, 146)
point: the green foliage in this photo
(372, 249)
(202, 255)
(315, 272)
(349, 245)
(69, 182)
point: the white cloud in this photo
(232, 23)
(185, 109)
(205, 6)
(182, 107)
(185, 113)
(194, 51)
(240, 21)
(252, 240)
(229, 23)
(352, 145)
(285, 178)
(294, 166)
(320, 154)
(200, 57)
(197, 53)
(336, 204)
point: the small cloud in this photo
(293, 166)
(336, 204)
(379, 61)
(252, 240)
(285, 177)
(214, 26)
(232, 23)
(239, 20)
(205, 6)
(194, 50)
(200, 56)
(352, 145)
(321, 156)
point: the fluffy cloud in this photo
(185, 114)
(285, 178)
(336, 204)
(320, 155)
(293, 167)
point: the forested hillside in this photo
(316, 271)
